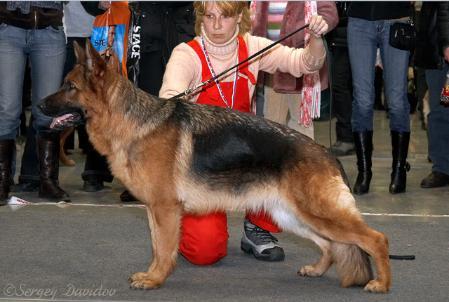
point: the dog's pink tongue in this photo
(58, 120)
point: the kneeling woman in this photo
(222, 41)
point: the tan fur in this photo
(352, 264)
(63, 157)
(153, 157)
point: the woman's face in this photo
(219, 29)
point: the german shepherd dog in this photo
(176, 157)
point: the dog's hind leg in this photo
(288, 221)
(333, 215)
(319, 268)
(352, 263)
(164, 220)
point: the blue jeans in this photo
(438, 121)
(46, 50)
(364, 37)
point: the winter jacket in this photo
(433, 35)
(379, 10)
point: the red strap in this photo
(205, 72)
(243, 55)
(210, 94)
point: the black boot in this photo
(400, 166)
(6, 152)
(48, 149)
(363, 142)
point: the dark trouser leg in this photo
(29, 170)
(342, 93)
(96, 170)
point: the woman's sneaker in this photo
(260, 243)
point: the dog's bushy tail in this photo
(352, 264)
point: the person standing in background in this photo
(31, 30)
(287, 98)
(432, 54)
(368, 29)
(342, 83)
(79, 18)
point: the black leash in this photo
(402, 257)
(191, 90)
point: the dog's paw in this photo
(309, 271)
(375, 286)
(138, 276)
(142, 280)
(145, 284)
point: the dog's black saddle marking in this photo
(239, 153)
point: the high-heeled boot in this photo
(363, 142)
(400, 166)
(48, 149)
(6, 152)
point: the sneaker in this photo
(260, 243)
(341, 148)
(93, 184)
(434, 180)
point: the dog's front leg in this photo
(164, 219)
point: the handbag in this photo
(403, 35)
(110, 32)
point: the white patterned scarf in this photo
(309, 108)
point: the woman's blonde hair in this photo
(229, 9)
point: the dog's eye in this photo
(72, 86)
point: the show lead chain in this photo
(193, 89)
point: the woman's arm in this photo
(183, 71)
(317, 28)
(296, 61)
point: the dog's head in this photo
(83, 93)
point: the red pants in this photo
(204, 239)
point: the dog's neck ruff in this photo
(221, 49)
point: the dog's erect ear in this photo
(94, 61)
(79, 53)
